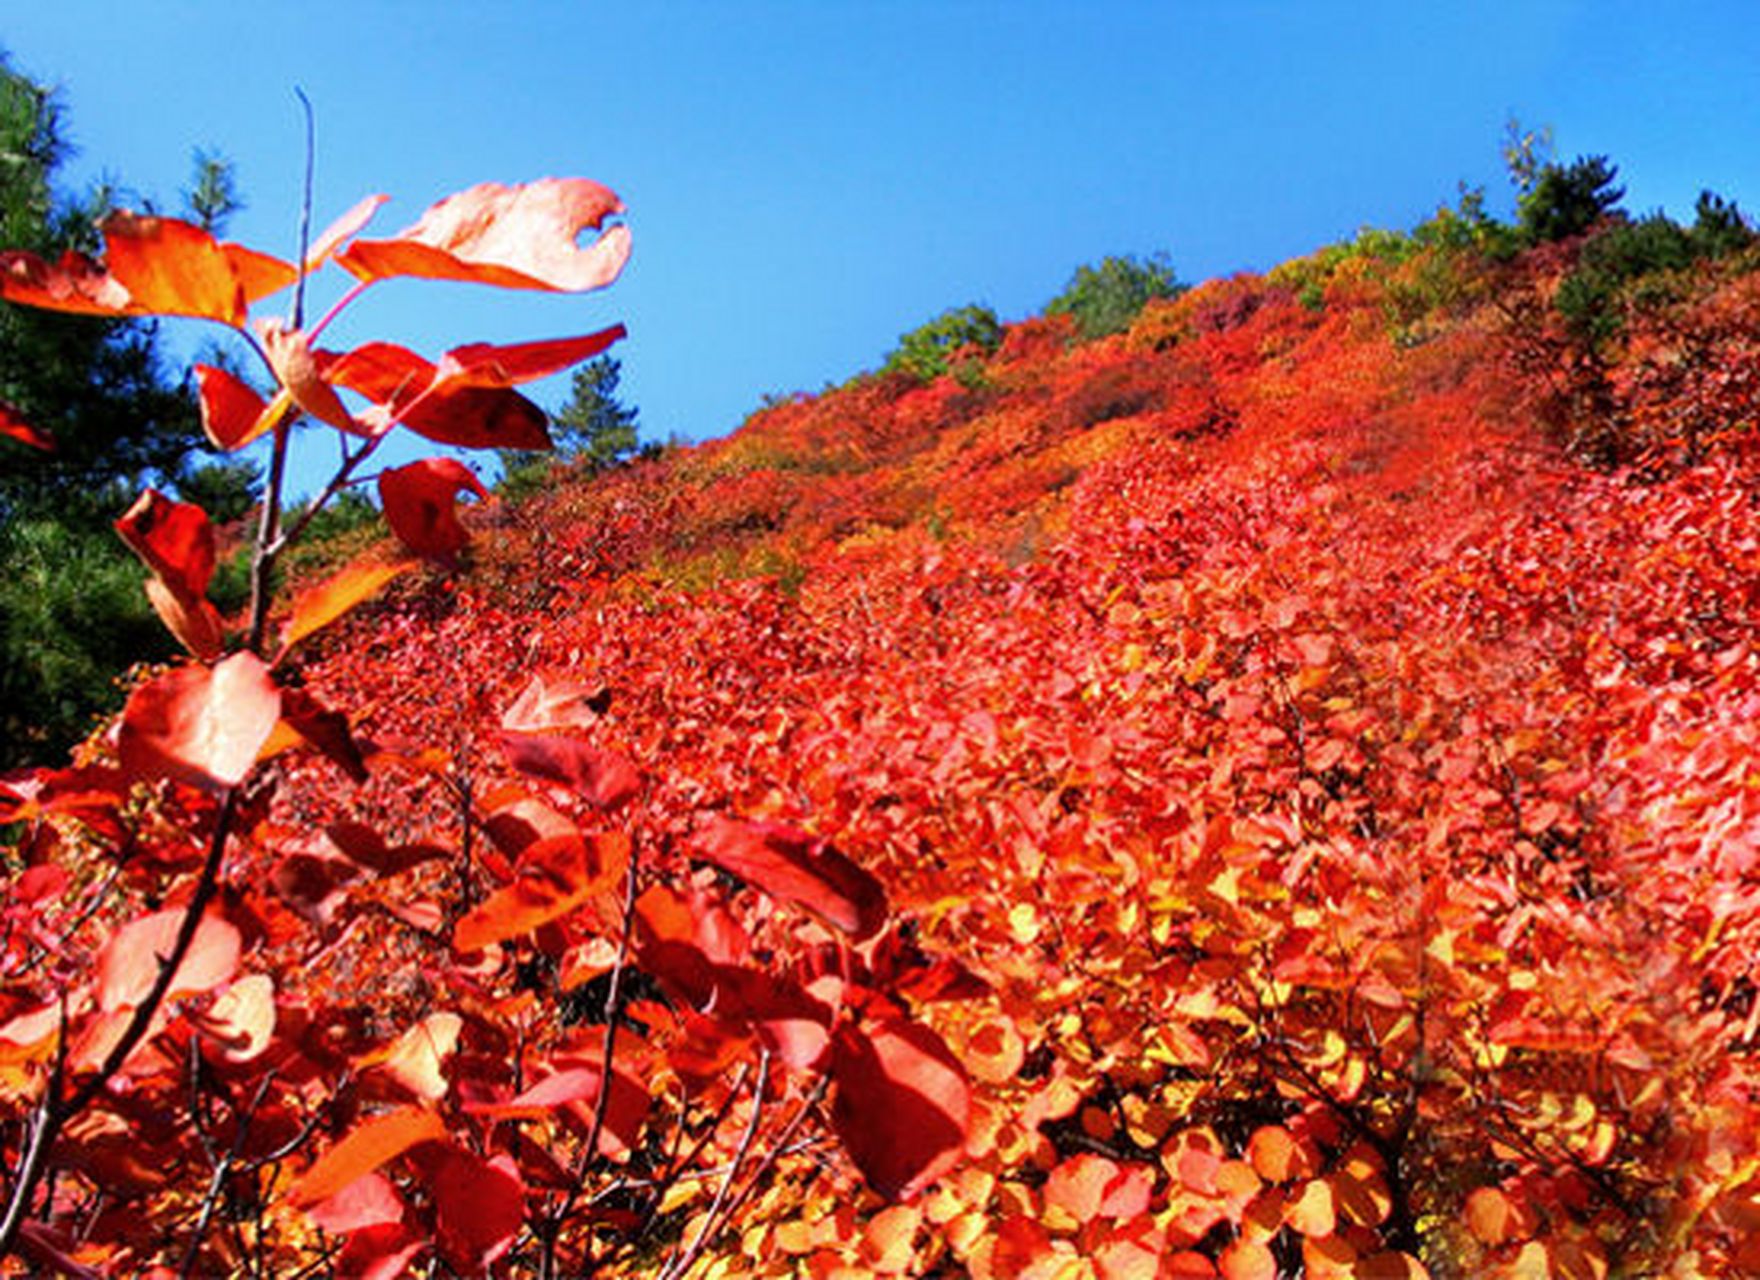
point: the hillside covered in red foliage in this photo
(1269, 791)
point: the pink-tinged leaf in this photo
(549, 702)
(482, 365)
(409, 390)
(420, 506)
(479, 1205)
(13, 425)
(174, 539)
(241, 1021)
(415, 1059)
(130, 962)
(368, 1201)
(369, 1145)
(601, 777)
(200, 725)
(902, 1106)
(232, 413)
(317, 607)
(290, 355)
(786, 1018)
(171, 267)
(554, 877)
(575, 1085)
(790, 865)
(522, 237)
(344, 228)
(380, 1252)
(73, 284)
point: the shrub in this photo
(1104, 299)
(1567, 200)
(932, 349)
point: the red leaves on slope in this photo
(200, 725)
(521, 237)
(902, 1105)
(419, 502)
(790, 865)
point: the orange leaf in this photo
(171, 267)
(1278, 1155)
(902, 1105)
(13, 424)
(175, 539)
(194, 621)
(793, 866)
(419, 502)
(131, 959)
(317, 607)
(1494, 1218)
(74, 284)
(522, 237)
(555, 876)
(578, 1083)
(201, 725)
(1246, 1260)
(481, 365)
(369, 1145)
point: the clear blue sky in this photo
(808, 178)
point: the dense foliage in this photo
(1270, 791)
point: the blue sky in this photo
(806, 180)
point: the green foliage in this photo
(933, 348)
(348, 524)
(593, 428)
(226, 489)
(72, 618)
(1565, 201)
(212, 196)
(1626, 265)
(1104, 299)
(1719, 229)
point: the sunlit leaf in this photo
(598, 775)
(233, 414)
(201, 725)
(241, 1021)
(407, 390)
(416, 1058)
(175, 539)
(290, 355)
(902, 1105)
(522, 237)
(553, 878)
(344, 228)
(171, 267)
(368, 1145)
(130, 962)
(318, 606)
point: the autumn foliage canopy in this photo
(1237, 797)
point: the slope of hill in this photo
(1306, 743)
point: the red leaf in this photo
(232, 413)
(419, 506)
(520, 237)
(201, 725)
(577, 1084)
(325, 729)
(368, 1201)
(554, 877)
(131, 959)
(555, 702)
(192, 619)
(793, 866)
(482, 365)
(479, 1205)
(603, 778)
(902, 1105)
(361, 844)
(175, 540)
(369, 1145)
(14, 425)
(408, 389)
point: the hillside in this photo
(1304, 741)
